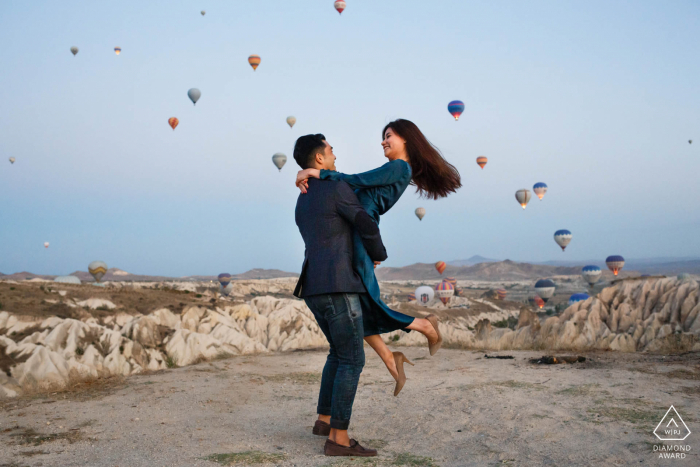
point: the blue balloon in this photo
(455, 108)
(578, 297)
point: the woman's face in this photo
(394, 145)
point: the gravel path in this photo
(457, 408)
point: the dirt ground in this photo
(457, 408)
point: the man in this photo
(326, 217)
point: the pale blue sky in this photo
(597, 99)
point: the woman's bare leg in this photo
(423, 326)
(375, 341)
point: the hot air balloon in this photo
(194, 95)
(690, 141)
(74, 50)
(578, 297)
(224, 278)
(173, 122)
(225, 290)
(440, 266)
(481, 161)
(340, 6)
(420, 213)
(540, 189)
(452, 281)
(562, 237)
(501, 294)
(203, 12)
(279, 160)
(254, 61)
(46, 244)
(291, 121)
(445, 291)
(523, 197)
(615, 263)
(539, 302)
(12, 160)
(545, 289)
(424, 294)
(455, 108)
(412, 297)
(117, 50)
(67, 280)
(591, 274)
(98, 269)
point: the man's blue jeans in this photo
(339, 316)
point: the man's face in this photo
(328, 158)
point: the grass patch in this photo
(246, 458)
(582, 390)
(170, 361)
(412, 460)
(634, 416)
(296, 378)
(30, 437)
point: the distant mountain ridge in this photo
(498, 270)
(476, 259)
(114, 274)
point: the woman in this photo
(412, 160)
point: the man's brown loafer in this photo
(354, 450)
(321, 428)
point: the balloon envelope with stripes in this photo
(591, 274)
(562, 237)
(615, 263)
(482, 161)
(455, 108)
(445, 291)
(540, 189)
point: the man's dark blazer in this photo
(326, 216)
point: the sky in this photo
(597, 99)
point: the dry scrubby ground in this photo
(457, 408)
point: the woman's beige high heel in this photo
(399, 358)
(434, 347)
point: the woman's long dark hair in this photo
(433, 176)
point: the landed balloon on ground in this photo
(545, 289)
(117, 50)
(74, 50)
(440, 266)
(523, 197)
(12, 160)
(254, 61)
(452, 281)
(279, 160)
(194, 95)
(455, 108)
(591, 274)
(420, 213)
(540, 189)
(578, 297)
(340, 6)
(67, 280)
(501, 294)
(562, 237)
(445, 291)
(615, 263)
(173, 122)
(482, 161)
(98, 269)
(291, 121)
(412, 297)
(424, 294)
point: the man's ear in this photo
(319, 158)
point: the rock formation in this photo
(658, 315)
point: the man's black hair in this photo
(307, 147)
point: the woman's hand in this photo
(377, 263)
(303, 177)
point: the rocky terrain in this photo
(54, 334)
